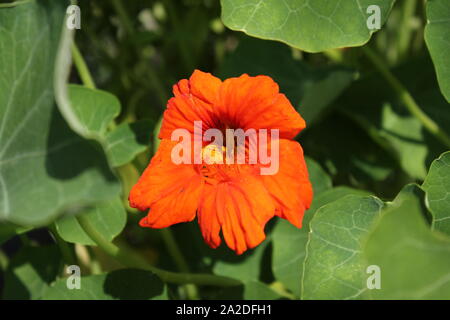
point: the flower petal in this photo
(255, 102)
(241, 207)
(290, 186)
(171, 191)
(179, 206)
(193, 101)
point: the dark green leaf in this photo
(125, 284)
(30, 272)
(310, 89)
(9, 230)
(319, 179)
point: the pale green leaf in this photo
(45, 168)
(128, 140)
(312, 26)
(437, 38)
(414, 261)
(94, 108)
(108, 218)
(289, 243)
(334, 266)
(437, 187)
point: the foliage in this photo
(76, 131)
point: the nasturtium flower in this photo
(233, 199)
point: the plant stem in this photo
(178, 257)
(66, 251)
(405, 30)
(406, 98)
(150, 73)
(184, 50)
(129, 259)
(82, 68)
(13, 4)
(123, 16)
(4, 260)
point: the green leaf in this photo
(245, 267)
(256, 290)
(9, 230)
(437, 187)
(127, 141)
(45, 168)
(310, 89)
(289, 243)
(414, 261)
(108, 218)
(312, 26)
(125, 284)
(250, 290)
(30, 272)
(248, 269)
(437, 38)
(334, 266)
(318, 177)
(398, 131)
(406, 136)
(94, 108)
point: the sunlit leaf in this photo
(308, 25)
(334, 266)
(128, 140)
(413, 260)
(289, 243)
(108, 218)
(437, 187)
(437, 38)
(94, 108)
(45, 168)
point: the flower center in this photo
(213, 154)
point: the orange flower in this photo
(233, 198)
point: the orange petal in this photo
(193, 101)
(179, 206)
(255, 102)
(171, 191)
(241, 207)
(290, 186)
